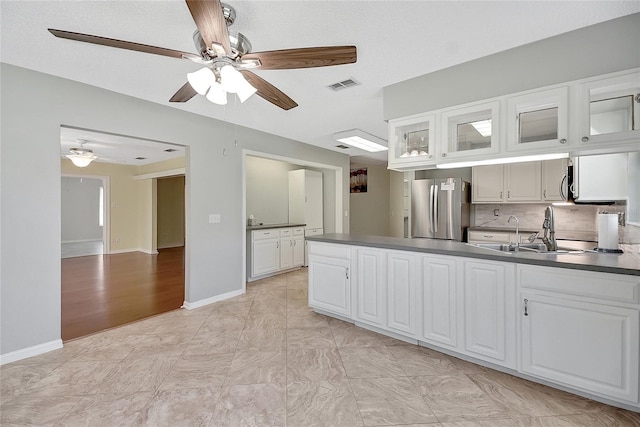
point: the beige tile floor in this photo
(265, 359)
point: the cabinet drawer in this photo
(265, 234)
(286, 232)
(298, 231)
(488, 236)
(600, 286)
(329, 250)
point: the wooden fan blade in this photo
(185, 93)
(268, 91)
(121, 44)
(209, 18)
(304, 57)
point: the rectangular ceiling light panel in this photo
(362, 140)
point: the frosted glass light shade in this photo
(201, 80)
(81, 160)
(216, 94)
(231, 79)
(245, 90)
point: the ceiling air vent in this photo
(344, 147)
(343, 84)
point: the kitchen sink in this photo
(524, 247)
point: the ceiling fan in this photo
(228, 58)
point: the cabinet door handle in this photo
(509, 194)
(294, 243)
(277, 245)
(290, 243)
(526, 302)
(501, 194)
(544, 193)
(346, 270)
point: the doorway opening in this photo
(129, 278)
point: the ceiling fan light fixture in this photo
(201, 80)
(81, 157)
(217, 94)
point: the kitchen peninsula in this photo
(570, 320)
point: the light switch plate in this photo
(214, 218)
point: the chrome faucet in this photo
(517, 231)
(549, 227)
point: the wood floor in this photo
(103, 291)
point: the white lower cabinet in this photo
(370, 286)
(274, 250)
(577, 329)
(286, 253)
(329, 278)
(401, 293)
(440, 312)
(581, 334)
(489, 311)
(265, 252)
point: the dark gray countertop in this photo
(626, 263)
(267, 226)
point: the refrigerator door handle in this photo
(435, 208)
(431, 216)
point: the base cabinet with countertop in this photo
(274, 250)
(576, 329)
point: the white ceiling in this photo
(396, 40)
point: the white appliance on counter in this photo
(305, 202)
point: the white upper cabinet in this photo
(469, 131)
(610, 110)
(412, 141)
(598, 115)
(537, 120)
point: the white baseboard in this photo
(124, 251)
(207, 301)
(171, 245)
(98, 239)
(30, 351)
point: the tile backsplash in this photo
(572, 221)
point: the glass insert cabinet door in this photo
(471, 131)
(537, 119)
(611, 109)
(412, 139)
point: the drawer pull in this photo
(488, 236)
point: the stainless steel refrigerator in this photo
(440, 208)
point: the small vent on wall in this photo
(343, 84)
(344, 147)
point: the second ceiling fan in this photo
(227, 57)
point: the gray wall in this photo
(80, 201)
(370, 210)
(34, 105)
(268, 189)
(598, 49)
